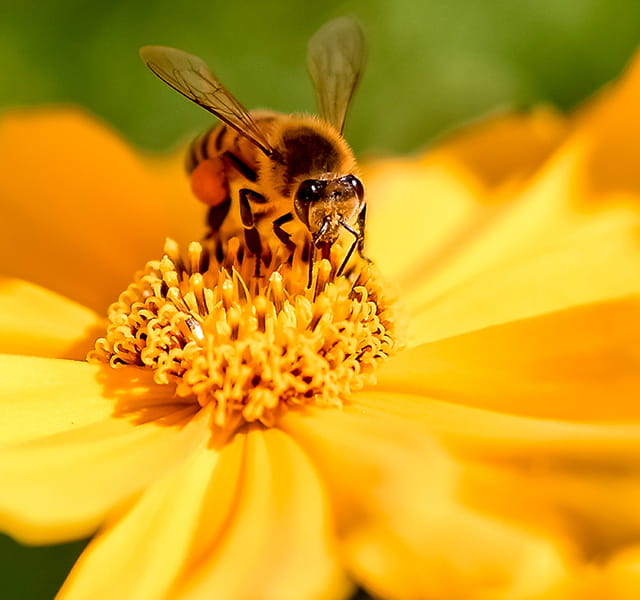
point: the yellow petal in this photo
(421, 210)
(38, 322)
(561, 365)
(83, 212)
(599, 262)
(579, 482)
(266, 529)
(415, 210)
(477, 433)
(544, 248)
(140, 556)
(74, 447)
(404, 534)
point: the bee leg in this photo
(282, 235)
(362, 217)
(251, 235)
(217, 214)
(311, 252)
(361, 223)
(357, 235)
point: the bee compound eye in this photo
(355, 184)
(309, 191)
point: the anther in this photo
(197, 285)
(250, 347)
(195, 257)
(322, 277)
(261, 305)
(275, 290)
(227, 293)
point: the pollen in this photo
(252, 340)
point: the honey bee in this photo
(259, 171)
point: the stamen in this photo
(254, 347)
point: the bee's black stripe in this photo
(192, 158)
(242, 167)
(217, 143)
(204, 145)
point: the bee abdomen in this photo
(201, 147)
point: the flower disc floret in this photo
(254, 340)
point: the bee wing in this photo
(335, 58)
(190, 76)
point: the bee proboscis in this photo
(263, 170)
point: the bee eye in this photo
(309, 190)
(355, 184)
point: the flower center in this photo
(254, 345)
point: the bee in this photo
(260, 171)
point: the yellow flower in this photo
(495, 457)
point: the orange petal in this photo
(82, 213)
(404, 534)
(266, 529)
(609, 133)
(62, 441)
(561, 365)
(38, 322)
(505, 147)
(616, 579)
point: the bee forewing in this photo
(190, 76)
(336, 57)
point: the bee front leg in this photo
(284, 236)
(217, 214)
(251, 235)
(362, 217)
(357, 236)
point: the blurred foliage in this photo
(432, 64)
(32, 573)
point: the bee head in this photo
(325, 205)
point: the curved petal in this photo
(38, 322)
(580, 482)
(82, 220)
(417, 214)
(140, 556)
(67, 459)
(576, 223)
(504, 148)
(616, 579)
(561, 365)
(601, 265)
(270, 536)
(421, 210)
(609, 131)
(403, 532)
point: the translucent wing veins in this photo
(336, 57)
(190, 76)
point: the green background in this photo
(432, 65)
